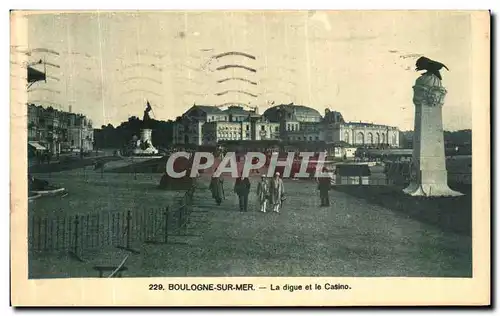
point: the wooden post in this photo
(88, 233)
(76, 235)
(185, 217)
(64, 233)
(127, 245)
(166, 224)
(129, 217)
(45, 237)
(179, 224)
(56, 244)
(74, 253)
(53, 243)
(69, 233)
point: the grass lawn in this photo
(89, 193)
(452, 214)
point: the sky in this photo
(359, 63)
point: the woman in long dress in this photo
(276, 192)
(217, 189)
(263, 193)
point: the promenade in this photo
(351, 238)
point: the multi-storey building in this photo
(58, 131)
(358, 133)
(208, 125)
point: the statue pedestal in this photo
(429, 164)
(146, 144)
(146, 135)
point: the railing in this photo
(395, 179)
(76, 234)
(359, 180)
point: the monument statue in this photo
(430, 177)
(144, 145)
(433, 67)
(146, 118)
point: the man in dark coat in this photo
(242, 189)
(324, 184)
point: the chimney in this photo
(70, 109)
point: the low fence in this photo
(77, 234)
(395, 179)
(359, 180)
(453, 178)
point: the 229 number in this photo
(156, 287)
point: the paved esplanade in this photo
(349, 238)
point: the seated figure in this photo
(36, 184)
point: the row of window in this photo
(225, 118)
(247, 128)
(231, 128)
(296, 127)
(303, 118)
(371, 139)
(276, 128)
(310, 138)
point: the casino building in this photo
(210, 125)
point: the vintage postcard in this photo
(250, 158)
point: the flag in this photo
(35, 75)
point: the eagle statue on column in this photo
(432, 66)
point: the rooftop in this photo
(208, 109)
(238, 110)
(367, 124)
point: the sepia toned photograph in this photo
(179, 145)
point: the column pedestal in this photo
(429, 174)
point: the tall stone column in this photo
(430, 177)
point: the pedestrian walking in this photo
(217, 189)
(276, 192)
(242, 189)
(324, 185)
(263, 193)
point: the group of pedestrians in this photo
(272, 192)
(269, 192)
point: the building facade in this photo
(59, 131)
(208, 125)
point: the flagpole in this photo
(45, 68)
